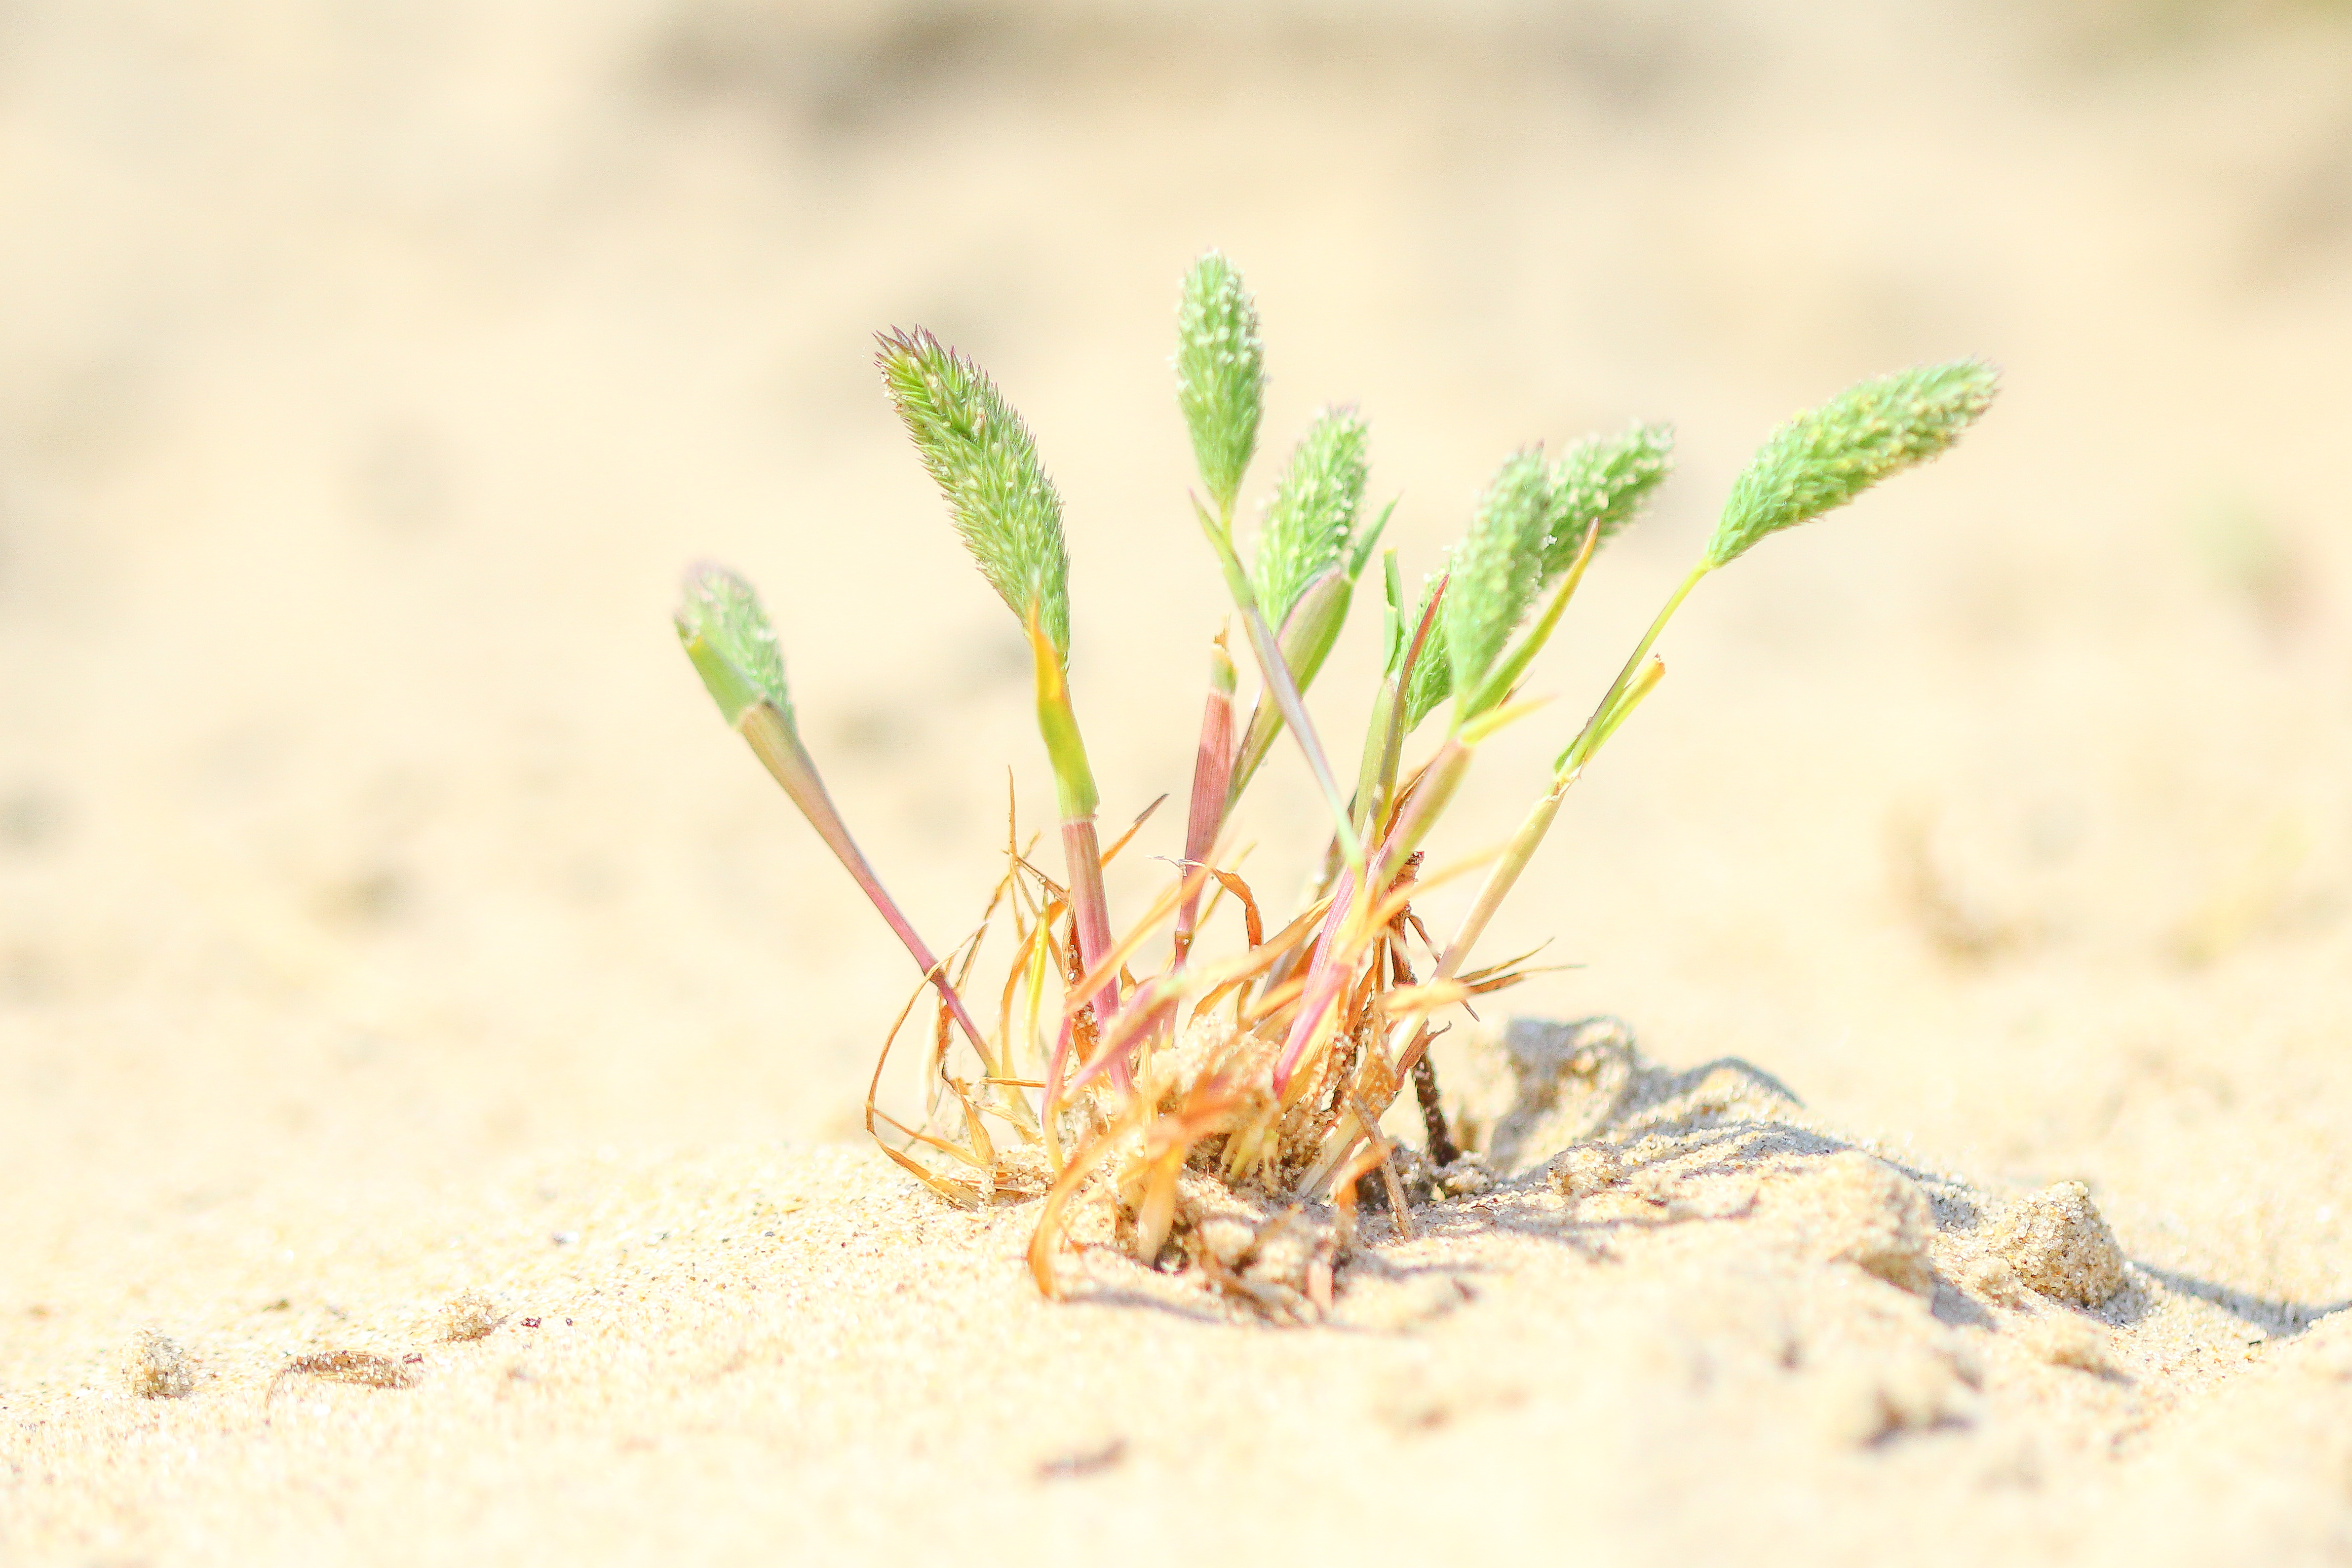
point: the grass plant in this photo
(1220, 1110)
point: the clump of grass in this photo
(1220, 1110)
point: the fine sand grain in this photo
(1758, 1331)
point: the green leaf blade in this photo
(1312, 518)
(1826, 456)
(977, 449)
(1220, 374)
(726, 633)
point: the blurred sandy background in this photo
(368, 372)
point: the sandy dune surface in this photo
(430, 1051)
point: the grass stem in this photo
(1274, 670)
(779, 747)
(1212, 769)
(1305, 638)
(1074, 784)
(1588, 740)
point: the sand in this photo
(430, 1051)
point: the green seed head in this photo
(1826, 456)
(1220, 374)
(980, 453)
(1497, 568)
(727, 635)
(1309, 525)
(1602, 481)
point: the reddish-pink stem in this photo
(774, 743)
(1212, 767)
(1326, 980)
(1090, 913)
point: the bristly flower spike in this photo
(1828, 455)
(1311, 522)
(1599, 482)
(1010, 517)
(1598, 486)
(981, 454)
(1220, 375)
(1603, 482)
(1495, 573)
(728, 637)
(1308, 558)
